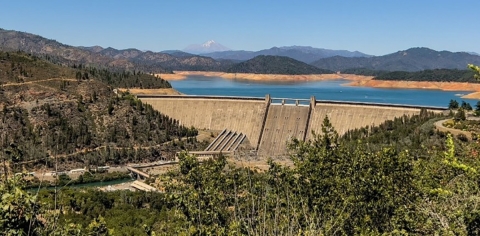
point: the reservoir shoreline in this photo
(354, 80)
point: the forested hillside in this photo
(364, 71)
(74, 114)
(276, 65)
(443, 75)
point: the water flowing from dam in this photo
(322, 90)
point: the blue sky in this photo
(375, 27)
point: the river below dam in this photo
(322, 90)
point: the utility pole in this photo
(56, 178)
(3, 152)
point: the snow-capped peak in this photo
(208, 43)
(207, 47)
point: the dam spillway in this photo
(269, 123)
(283, 123)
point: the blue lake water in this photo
(322, 90)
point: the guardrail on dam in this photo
(269, 123)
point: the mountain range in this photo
(61, 53)
(126, 59)
(158, 61)
(305, 54)
(413, 59)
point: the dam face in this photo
(269, 126)
(242, 115)
(345, 117)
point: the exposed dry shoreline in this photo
(166, 91)
(179, 75)
(355, 80)
(176, 76)
(446, 86)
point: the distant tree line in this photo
(364, 71)
(18, 66)
(453, 104)
(442, 75)
(445, 75)
(121, 79)
(464, 106)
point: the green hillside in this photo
(443, 75)
(275, 65)
(73, 113)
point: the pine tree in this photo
(466, 106)
(460, 115)
(453, 104)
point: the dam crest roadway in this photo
(269, 123)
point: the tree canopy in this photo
(401, 177)
(475, 69)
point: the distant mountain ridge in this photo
(474, 53)
(127, 59)
(11, 40)
(174, 61)
(413, 59)
(305, 54)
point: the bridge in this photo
(268, 123)
(143, 186)
(138, 173)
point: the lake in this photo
(322, 90)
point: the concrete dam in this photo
(269, 123)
